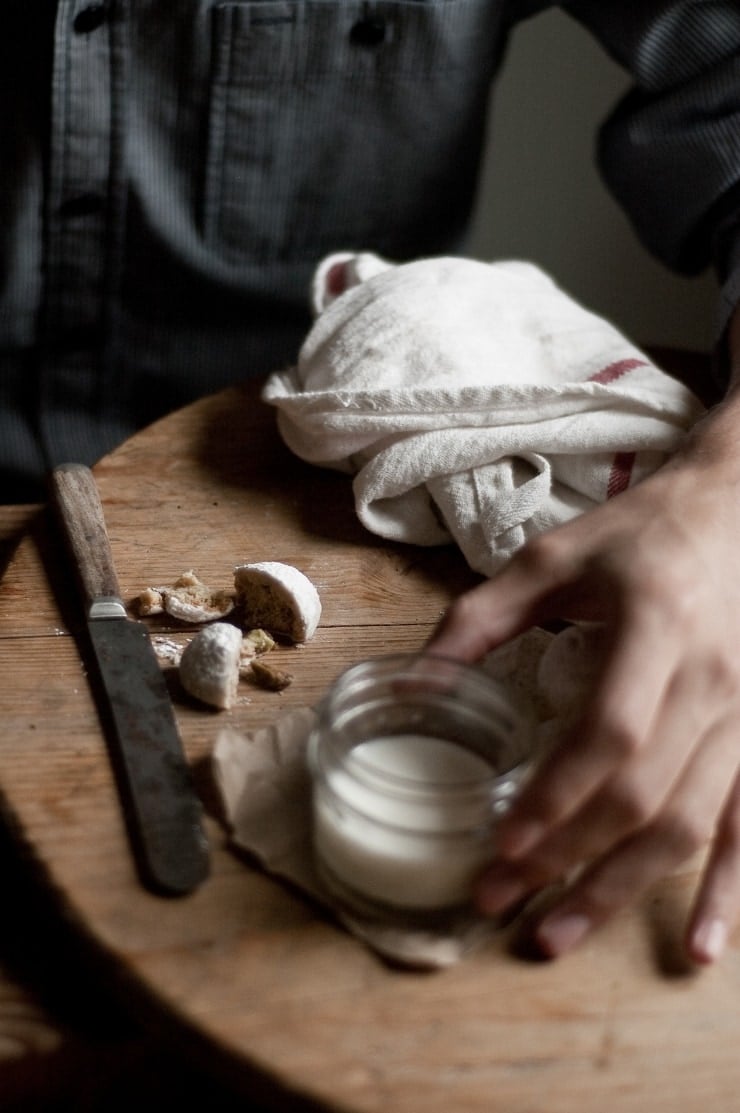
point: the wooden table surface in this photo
(245, 976)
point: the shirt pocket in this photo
(345, 125)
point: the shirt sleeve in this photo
(670, 150)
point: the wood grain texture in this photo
(244, 973)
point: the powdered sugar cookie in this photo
(210, 665)
(279, 598)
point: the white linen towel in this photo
(471, 401)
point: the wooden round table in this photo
(244, 973)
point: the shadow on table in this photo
(77, 1050)
(17, 520)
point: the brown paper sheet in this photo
(265, 785)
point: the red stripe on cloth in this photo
(621, 473)
(616, 370)
(336, 279)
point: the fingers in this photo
(677, 830)
(625, 802)
(641, 779)
(717, 907)
(623, 805)
(613, 733)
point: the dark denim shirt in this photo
(171, 172)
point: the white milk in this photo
(416, 849)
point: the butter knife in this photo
(161, 808)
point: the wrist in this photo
(713, 442)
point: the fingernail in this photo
(558, 934)
(518, 840)
(709, 940)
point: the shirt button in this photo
(89, 19)
(85, 204)
(368, 32)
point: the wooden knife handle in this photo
(76, 498)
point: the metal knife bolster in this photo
(107, 606)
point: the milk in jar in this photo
(413, 759)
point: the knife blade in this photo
(161, 808)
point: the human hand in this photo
(649, 771)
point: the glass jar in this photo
(413, 759)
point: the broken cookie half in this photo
(278, 597)
(212, 663)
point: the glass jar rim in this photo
(402, 671)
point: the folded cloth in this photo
(472, 402)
